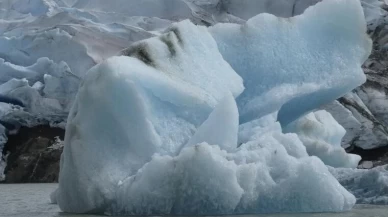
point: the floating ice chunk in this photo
(152, 100)
(221, 127)
(287, 62)
(155, 97)
(321, 134)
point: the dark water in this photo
(32, 200)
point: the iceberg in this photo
(194, 121)
(152, 98)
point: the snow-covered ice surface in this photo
(30, 200)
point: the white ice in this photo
(45, 89)
(322, 135)
(294, 67)
(152, 99)
(225, 134)
(154, 129)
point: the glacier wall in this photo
(190, 122)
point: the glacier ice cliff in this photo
(193, 121)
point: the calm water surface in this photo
(32, 200)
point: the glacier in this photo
(368, 186)
(201, 121)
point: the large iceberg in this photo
(155, 130)
(153, 99)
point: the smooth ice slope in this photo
(322, 135)
(221, 127)
(296, 64)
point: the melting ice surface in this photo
(155, 130)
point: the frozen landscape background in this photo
(198, 104)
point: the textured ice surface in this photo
(346, 119)
(45, 90)
(153, 98)
(202, 179)
(172, 123)
(27, 49)
(155, 130)
(284, 62)
(245, 9)
(369, 186)
(366, 117)
(322, 135)
(169, 9)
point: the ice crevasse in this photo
(192, 121)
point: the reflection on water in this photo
(32, 200)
